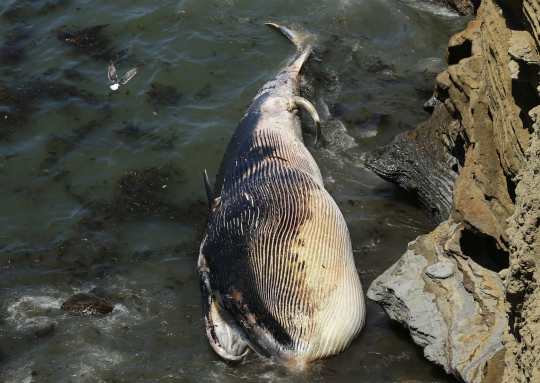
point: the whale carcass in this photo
(276, 265)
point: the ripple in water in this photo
(102, 192)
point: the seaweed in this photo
(384, 71)
(163, 143)
(88, 38)
(72, 74)
(165, 95)
(203, 93)
(23, 9)
(141, 193)
(91, 41)
(130, 131)
(20, 101)
(337, 110)
(57, 145)
(12, 52)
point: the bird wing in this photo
(112, 72)
(129, 75)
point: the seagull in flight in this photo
(114, 78)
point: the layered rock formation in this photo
(453, 307)
(420, 161)
(491, 88)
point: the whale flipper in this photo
(223, 338)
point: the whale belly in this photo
(279, 255)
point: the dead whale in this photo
(276, 265)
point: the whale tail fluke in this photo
(291, 35)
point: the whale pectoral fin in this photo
(222, 337)
(302, 102)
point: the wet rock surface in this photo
(420, 162)
(452, 306)
(464, 7)
(87, 304)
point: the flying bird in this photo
(114, 78)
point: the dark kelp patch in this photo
(91, 41)
(20, 101)
(130, 131)
(12, 52)
(58, 145)
(164, 95)
(74, 75)
(23, 9)
(203, 93)
(142, 193)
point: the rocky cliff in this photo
(476, 164)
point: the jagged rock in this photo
(476, 91)
(429, 105)
(464, 7)
(86, 304)
(452, 306)
(522, 338)
(492, 87)
(521, 46)
(420, 162)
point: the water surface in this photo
(102, 192)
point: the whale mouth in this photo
(114, 86)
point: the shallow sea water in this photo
(102, 191)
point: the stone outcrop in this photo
(491, 89)
(523, 295)
(463, 333)
(420, 162)
(86, 304)
(464, 7)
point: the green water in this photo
(103, 191)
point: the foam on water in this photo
(32, 312)
(433, 8)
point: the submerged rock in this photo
(452, 306)
(87, 304)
